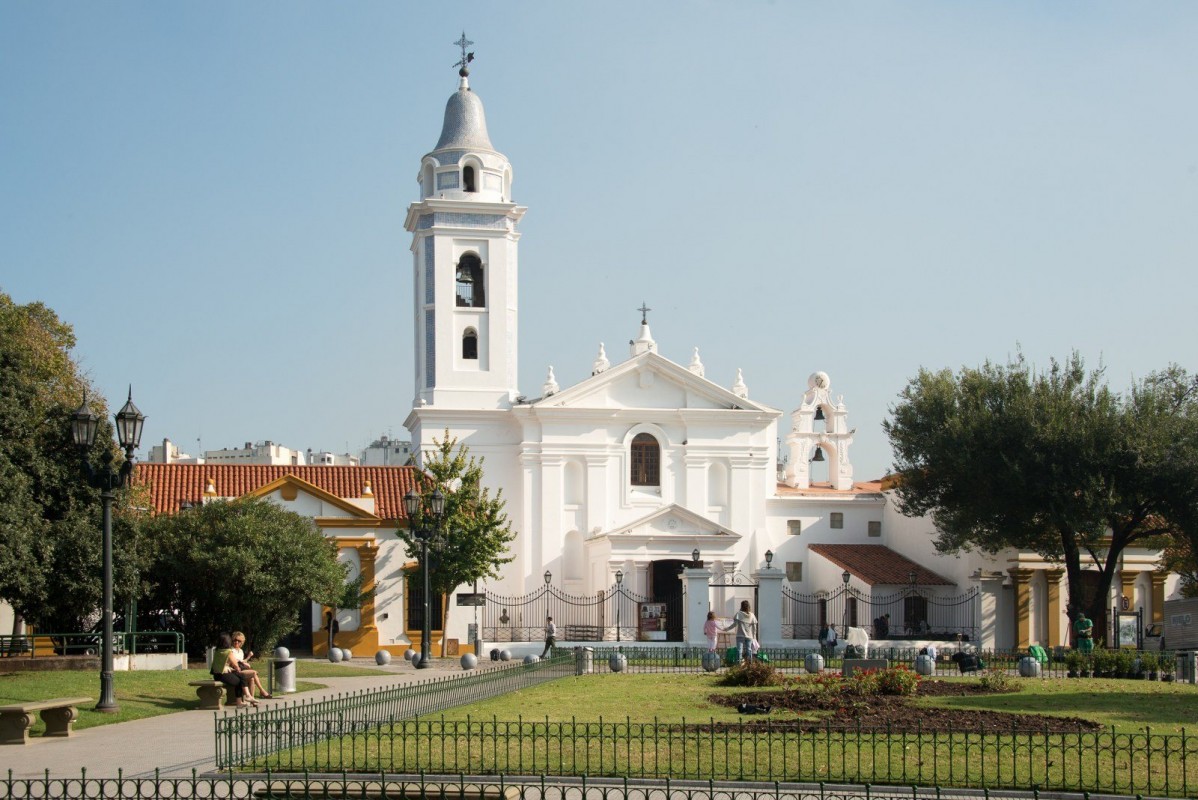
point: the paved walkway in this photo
(177, 743)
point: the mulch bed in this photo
(899, 713)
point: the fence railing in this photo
(1106, 761)
(609, 615)
(38, 645)
(457, 787)
(913, 613)
(246, 738)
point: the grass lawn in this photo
(141, 694)
(553, 729)
(1128, 705)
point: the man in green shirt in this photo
(1084, 629)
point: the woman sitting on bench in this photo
(224, 668)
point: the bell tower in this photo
(820, 432)
(465, 268)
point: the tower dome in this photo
(465, 165)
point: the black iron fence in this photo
(914, 613)
(272, 734)
(440, 787)
(609, 615)
(1015, 758)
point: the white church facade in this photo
(646, 463)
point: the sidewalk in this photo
(178, 743)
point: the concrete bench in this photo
(212, 694)
(58, 714)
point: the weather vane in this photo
(464, 64)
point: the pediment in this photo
(674, 523)
(309, 500)
(648, 381)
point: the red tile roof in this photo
(172, 484)
(825, 488)
(876, 564)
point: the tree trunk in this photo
(444, 623)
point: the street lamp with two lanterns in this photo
(430, 511)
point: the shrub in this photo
(997, 681)
(751, 673)
(897, 681)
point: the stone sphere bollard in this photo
(346, 654)
(711, 661)
(382, 658)
(505, 655)
(617, 662)
(282, 653)
(335, 654)
(813, 663)
(925, 665)
(469, 661)
(1029, 667)
(531, 659)
(410, 654)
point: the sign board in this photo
(468, 599)
(1128, 630)
(652, 621)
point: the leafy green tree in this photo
(1055, 462)
(49, 519)
(246, 565)
(473, 537)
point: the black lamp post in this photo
(429, 510)
(619, 597)
(769, 559)
(84, 424)
(695, 558)
(845, 576)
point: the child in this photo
(711, 629)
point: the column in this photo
(695, 604)
(1023, 602)
(1158, 596)
(769, 606)
(990, 592)
(1054, 607)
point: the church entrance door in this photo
(665, 587)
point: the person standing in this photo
(827, 640)
(746, 629)
(711, 629)
(1084, 628)
(550, 637)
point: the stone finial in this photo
(696, 366)
(550, 386)
(367, 490)
(210, 488)
(739, 389)
(601, 364)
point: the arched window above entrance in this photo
(645, 461)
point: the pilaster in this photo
(1158, 596)
(1127, 586)
(1053, 576)
(1023, 606)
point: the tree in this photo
(245, 564)
(49, 519)
(473, 537)
(1054, 462)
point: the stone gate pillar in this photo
(696, 604)
(769, 610)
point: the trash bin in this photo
(1187, 667)
(282, 672)
(584, 660)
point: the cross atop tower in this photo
(464, 64)
(644, 309)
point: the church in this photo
(643, 496)
(649, 477)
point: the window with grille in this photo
(794, 526)
(470, 288)
(875, 528)
(414, 597)
(646, 461)
(837, 519)
(470, 344)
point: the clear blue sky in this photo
(213, 193)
